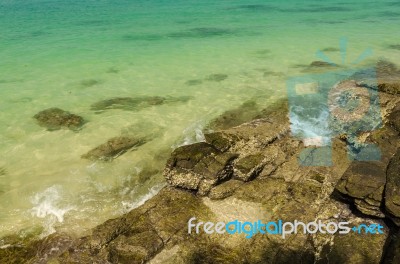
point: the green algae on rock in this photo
(56, 118)
(217, 77)
(113, 148)
(135, 103)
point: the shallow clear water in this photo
(71, 54)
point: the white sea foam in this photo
(128, 206)
(313, 130)
(47, 205)
(192, 134)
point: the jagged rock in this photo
(220, 140)
(394, 118)
(392, 191)
(56, 118)
(365, 182)
(135, 103)
(392, 254)
(249, 166)
(198, 167)
(224, 190)
(113, 148)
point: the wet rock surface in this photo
(113, 148)
(56, 118)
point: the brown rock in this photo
(113, 148)
(56, 118)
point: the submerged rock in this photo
(135, 103)
(193, 82)
(318, 66)
(113, 148)
(90, 82)
(234, 117)
(56, 118)
(218, 77)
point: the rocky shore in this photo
(250, 171)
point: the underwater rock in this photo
(112, 70)
(321, 64)
(90, 82)
(56, 118)
(113, 148)
(217, 77)
(395, 46)
(330, 49)
(202, 32)
(234, 117)
(193, 82)
(135, 103)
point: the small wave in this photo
(128, 206)
(192, 134)
(47, 205)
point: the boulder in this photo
(198, 167)
(248, 167)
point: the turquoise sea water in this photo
(71, 54)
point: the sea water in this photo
(71, 54)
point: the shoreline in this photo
(252, 165)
